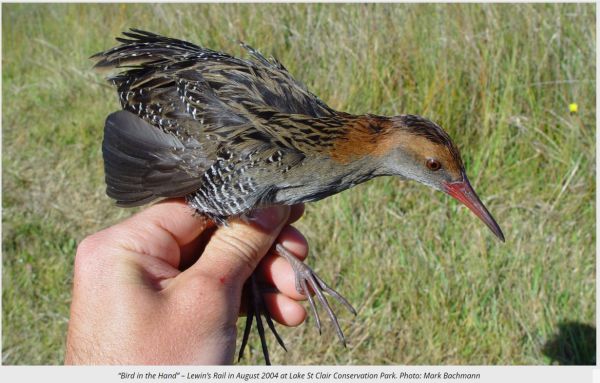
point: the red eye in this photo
(433, 165)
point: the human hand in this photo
(132, 304)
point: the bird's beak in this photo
(463, 192)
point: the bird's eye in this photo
(433, 165)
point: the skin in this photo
(143, 295)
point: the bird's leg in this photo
(305, 279)
(254, 308)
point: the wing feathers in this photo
(143, 163)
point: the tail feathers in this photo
(143, 163)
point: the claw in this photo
(305, 279)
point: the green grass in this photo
(431, 284)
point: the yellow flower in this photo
(573, 108)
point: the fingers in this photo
(171, 232)
(192, 251)
(279, 282)
(235, 250)
(160, 231)
(280, 294)
(285, 310)
(296, 212)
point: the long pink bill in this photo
(463, 192)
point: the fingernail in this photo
(269, 218)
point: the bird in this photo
(232, 135)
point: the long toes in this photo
(263, 339)
(335, 294)
(259, 308)
(306, 292)
(256, 308)
(247, 328)
(305, 277)
(314, 284)
(274, 331)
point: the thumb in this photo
(235, 250)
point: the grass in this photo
(431, 284)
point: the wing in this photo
(153, 65)
(142, 163)
(267, 82)
(200, 94)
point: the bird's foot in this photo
(254, 309)
(307, 280)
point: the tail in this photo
(143, 163)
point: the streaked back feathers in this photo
(154, 62)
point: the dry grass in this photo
(431, 283)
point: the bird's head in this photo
(418, 149)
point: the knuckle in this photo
(92, 251)
(87, 251)
(88, 246)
